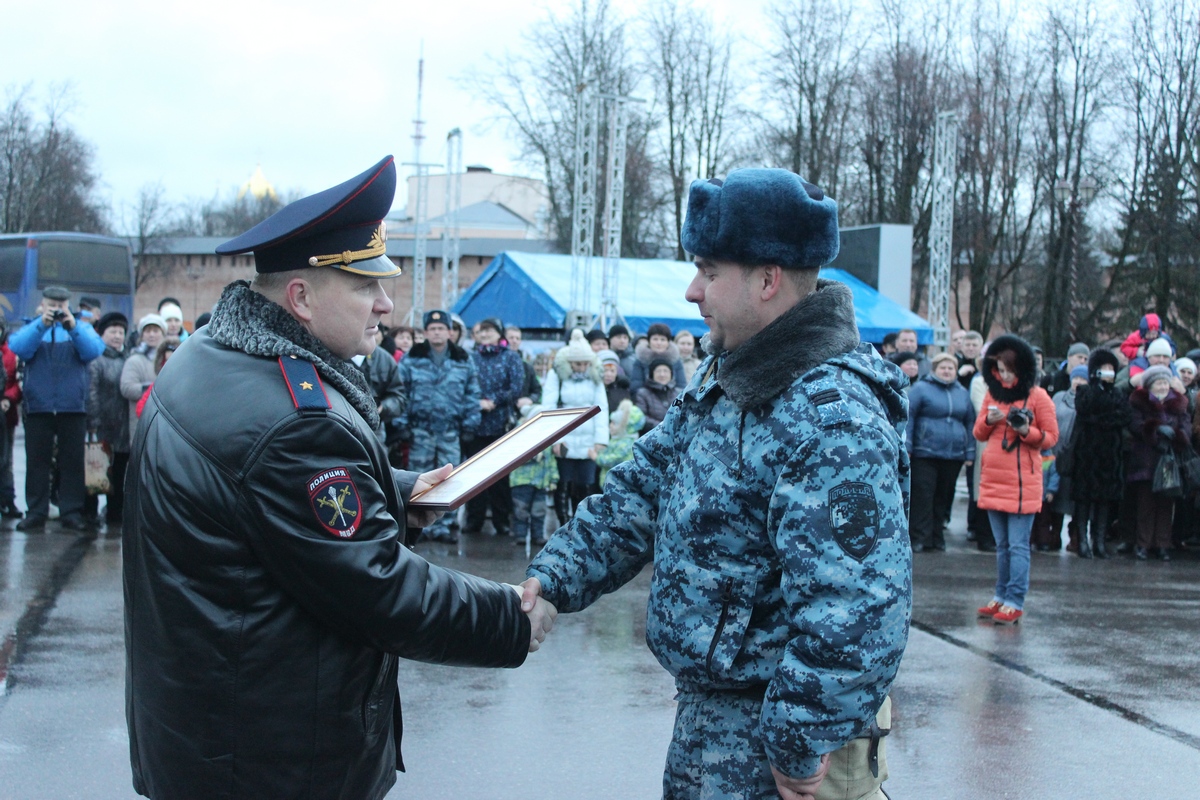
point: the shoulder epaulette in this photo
(825, 395)
(304, 383)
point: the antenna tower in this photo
(451, 243)
(420, 203)
(941, 229)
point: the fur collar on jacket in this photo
(818, 328)
(425, 350)
(1026, 369)
(248, 321)
(1175, 403)
(646, 355)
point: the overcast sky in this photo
(196, 94)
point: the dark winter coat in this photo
(940, 419)
(108, 410)
(383, 375)
(1102, 415)
(1148, 443)
(643, 355)
(654, 400)
(268, 588)
(617, 391)
(501, 379)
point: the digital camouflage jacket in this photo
(773, 502)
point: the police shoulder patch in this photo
(854, 518)
(335, 502)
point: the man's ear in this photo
(770, 281)
(300, 298)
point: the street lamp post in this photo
(1075, 199)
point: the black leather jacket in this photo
(263, 616)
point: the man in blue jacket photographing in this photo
(56, 349)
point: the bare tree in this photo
(689, 68)
(809, 88)
(907, 79)
(1074, 46)
(1157, 259)
(151, 225)
(47, 176)
(999, 181)
(536, 92)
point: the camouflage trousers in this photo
(715, 753)
(430, 450)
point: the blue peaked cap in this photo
(761, 216)
(341, 227)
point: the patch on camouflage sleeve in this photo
(334, 499)
(854, 518)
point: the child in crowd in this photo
(531, 483)
(623, 428)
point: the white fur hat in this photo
(578, 348)
(1159, 347)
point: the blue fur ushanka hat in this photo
(761, 216)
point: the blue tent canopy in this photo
(533, 290)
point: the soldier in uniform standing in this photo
(268, 586)
(772, 501)
(443, 403)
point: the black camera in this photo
(1019, 417)
(59, 315)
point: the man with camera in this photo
(56, 350)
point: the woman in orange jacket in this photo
(1018, 422)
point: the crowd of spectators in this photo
(1114, 463)
(1102, 442)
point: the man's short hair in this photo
(508, 328)
(274, 281)
(890, 339)
(974, 336)
(906, 330)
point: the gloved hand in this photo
(1166, 431)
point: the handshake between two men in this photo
(541, 612)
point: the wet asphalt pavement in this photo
(1095, 695)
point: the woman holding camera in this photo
(1018, 422)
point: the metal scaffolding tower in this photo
(941, 227)
(451, 243)
(583, 222)
(420, 205)
(583, 217)
(614, 201)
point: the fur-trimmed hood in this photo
(818, 328)
(562, 367)
(248, 321)
(1026, 369)
(425, 350)
(1102, 357)
(645, 355)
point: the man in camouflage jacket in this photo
(772, 501)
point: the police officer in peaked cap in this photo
(268, 587)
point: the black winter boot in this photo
(1085, 549)
(1098, 544)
